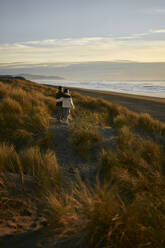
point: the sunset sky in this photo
(61, 33)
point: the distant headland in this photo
(10, 76)
(32, 77)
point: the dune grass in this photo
(86, 139)
(125, 207)
(42, 166)
(136, 167)
(98, 217)
(133, 153)
(25, 111)
(118, 116)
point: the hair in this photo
(59, 88)
(66, 90)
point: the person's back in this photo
(66, 100)
(67, 103)
(59, 95)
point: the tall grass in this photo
(4, 89)
(135, 167)
(126, 207)
(24, 112)
(99, 218)
(118, 116)
(10, 106)
(39, 120)
(43, 167)
(86, 139)
(146, 123)
(9, 159)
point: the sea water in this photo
(144, 88)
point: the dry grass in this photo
(126, 208)
(43, 167)
(121, 121)
(4, 89)
(146, 123)
(25, 110)
(86, 139)
(132, 153)
(136, 167)
(118, 116)
(99, 218)
(46, 141)
(9, 159)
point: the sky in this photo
(67, 33)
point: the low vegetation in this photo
(124, 206)
(86, 139)
(25, 111)
(42, 166)
(105, 113)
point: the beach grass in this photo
(124, 206)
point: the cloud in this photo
(15, 65)
(158, 31)
(88, 49)
(154, 11)
(62, 42)
(147, 34)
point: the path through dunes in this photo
(69, 160)
(28, 228)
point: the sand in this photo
(154, 106)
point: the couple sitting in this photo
(64, 103)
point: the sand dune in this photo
(142, 104)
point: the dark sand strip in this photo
(141, 104)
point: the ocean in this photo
(143, 88)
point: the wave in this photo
(145, 88)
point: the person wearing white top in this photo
(67, 103)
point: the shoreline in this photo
(122, 94)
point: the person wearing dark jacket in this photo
(59, 103)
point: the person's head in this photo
(59, 88)
(66, 91)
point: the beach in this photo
(154, 106)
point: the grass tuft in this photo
(43, 167)
(86, 140)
